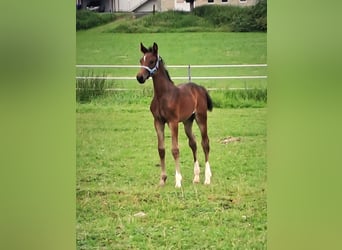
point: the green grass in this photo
(117, 177)
(96, 47)
(240, 98)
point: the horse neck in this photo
(161, 82)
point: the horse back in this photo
(201, 95)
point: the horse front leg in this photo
(159, 126)
(175, 152)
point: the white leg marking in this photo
(196, 172)
(207, 173)
(178, 180)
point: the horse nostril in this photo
(140, 79)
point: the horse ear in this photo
(155, 48)
(143, 48)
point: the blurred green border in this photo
(304, 125)
(37, 108)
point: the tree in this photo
(191, 4)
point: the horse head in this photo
(149, 63)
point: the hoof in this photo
(196, 179)
(196, 172)
(178, 180)
(178, 185)
(162, 180)
(207, 174)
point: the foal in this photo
(173, 104)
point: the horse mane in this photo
(166, 71)
(150, 49)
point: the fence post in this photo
(189, 73)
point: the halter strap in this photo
(154, 69)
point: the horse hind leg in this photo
(202, 124)
(193, 146)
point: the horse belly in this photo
(187, 104)
(186, 110)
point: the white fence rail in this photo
(173, 66)
(189, 77)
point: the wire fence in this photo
(240, 76)
(189, 71)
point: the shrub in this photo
(240, 98)
(173, 20)
(259, 13)
(217, 15)
(169, 21)
(242, 21)
(131, 27)
(87, 89)
(239, 19)
(86, 19)
(203, 18)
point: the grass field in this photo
(117, 178)
(96, 46)
(119, 203)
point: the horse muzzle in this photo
(142, 76)
(141, 79)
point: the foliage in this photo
(203, 18)
(216, 14)
(88, 89)
(86, 19)
(240, 98)
(169, 21)
(239, 19)
(259, 13)
(234, 98)
(174, 19)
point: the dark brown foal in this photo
(173, 104)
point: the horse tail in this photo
(209, 101)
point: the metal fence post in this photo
(189, 73)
